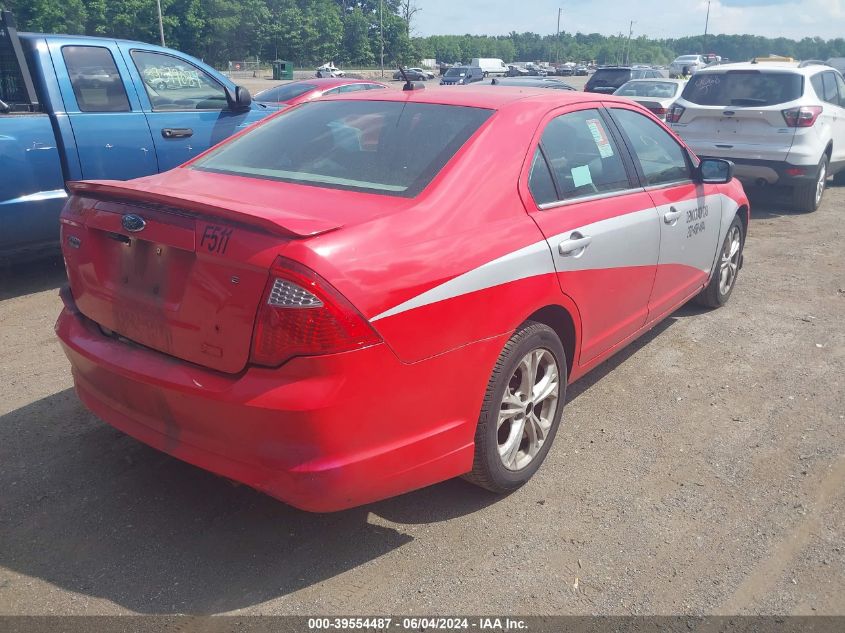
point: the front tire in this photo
(808, 196)
(522, 409)
(718, 291)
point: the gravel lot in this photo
(702, 470)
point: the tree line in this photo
(354, 33)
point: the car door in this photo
(186, 107)
(113, 139)
(600, 225)
(690, 213)
(834, 97)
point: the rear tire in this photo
(718, 291)
(808, 196)
(521, 411)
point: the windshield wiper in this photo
(748, 102)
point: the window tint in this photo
(831, 95)
(818, 85)
(174, 84)
(12, 90)
(540, 180)
(840, 83)
(96, 83)
(358, 145)
(743, 88)
(281, 94)
(584, 159)
(661, 158)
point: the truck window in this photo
(174, 84)
(96, 83)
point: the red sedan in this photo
(372, 293)
(295, 92)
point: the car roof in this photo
(765, 65)
(482, 96)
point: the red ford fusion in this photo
(372, 293)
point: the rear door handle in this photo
(575, 245)
(671, 216)
(177, 132)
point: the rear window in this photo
(610, 77)
(384, 147)
(743, 88)
(653, 89)
(284, 93)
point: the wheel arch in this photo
(562, 322)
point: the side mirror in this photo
(715, 171)
(238, 99)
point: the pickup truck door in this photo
(113, 139)
(185, 105)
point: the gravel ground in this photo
(701, 470)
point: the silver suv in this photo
(780, 123)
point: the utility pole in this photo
(557, 37)
(160, 22)
(381, 34)
(706, 24)
(628, 46)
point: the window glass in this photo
(661, 158)
(174, 84)
(540, 180)
(654, 89)
(818, 85)
(358, 145)
(96, 83)
(12, 90)
(840, 83)
(584, 159)
(831, 95)
(281, 94)
(743, 88)
(353, 87)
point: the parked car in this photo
(242, 311)
(517, 71)
(415, 74)
(608, 79)
(98, 108)
(581, 70)
(462, 75)
(292, 93)
(691, 63)
(327, 71)
(655, 94)
(490, 65)
(565, 70)
(781, 124)
(531, 82)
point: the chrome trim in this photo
(674, 183)
(599, 196)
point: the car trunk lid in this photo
(176, 270)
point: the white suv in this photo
(780, 123)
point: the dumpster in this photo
(282, 69)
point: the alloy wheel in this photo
(729, 261)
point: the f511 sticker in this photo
(216, 239)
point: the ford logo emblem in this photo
(133, 223)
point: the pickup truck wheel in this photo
(521, 411)
(718, 291)
(808, 196)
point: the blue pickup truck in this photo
(74, 108)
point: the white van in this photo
(490, 65)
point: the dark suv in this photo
(607, 79)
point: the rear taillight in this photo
(301, 314)
(674, 114)
(804, 116)
(661, 112)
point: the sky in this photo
(655, 18)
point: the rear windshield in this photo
(385, 147)
(284, 93)
(610, 77)
(743, 88)
(654, 89)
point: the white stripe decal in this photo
(623, 246)
(527, 262)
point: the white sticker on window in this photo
(600, 138)
(581, 176)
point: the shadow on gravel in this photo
(25, 278)
(90, 510)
